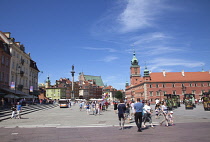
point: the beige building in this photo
(23, 70)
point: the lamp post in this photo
(160, 95)
(16, 73)
(72, 92)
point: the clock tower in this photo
(134, 71)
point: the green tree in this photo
(119, 95)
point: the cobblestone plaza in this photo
(70, 124)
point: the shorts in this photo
(121, 116)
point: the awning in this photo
(29, 96)
(11, 96)
(16, 92)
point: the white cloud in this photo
(158, 50)
(109, 58)
(163, 63)
(150, 37)
(139, 14)
(106, 49)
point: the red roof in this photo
(179, 76)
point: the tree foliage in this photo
(119, 95)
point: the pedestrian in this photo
(147, 110)
(127, 111)
(157, 111)
(138, 114)
(115, 107)
(88, 107)
(98, 108)
(13, 112)
(164, 110)
(132, 110)
(69, 104)
(121, 111)
(93, 106)
(171, 118)
(107, 105)
(80, 106)
(19, 109)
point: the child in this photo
(170, 117)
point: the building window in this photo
(202, 85)
(195, 84)
(193, 91)
(190, 85)
(150, 86)
(173, 85)
(174, 92)
(151, 93)
(157, 86)
(163, 85)
(2, 59)
(157, 93)
(202, 91)
(182, 85)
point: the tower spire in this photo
(134, 61)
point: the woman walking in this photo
(164, 110)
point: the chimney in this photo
(182, 72)
(164, 73)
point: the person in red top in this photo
(106, 104)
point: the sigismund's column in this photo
(72, 92)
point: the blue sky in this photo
(98, 36)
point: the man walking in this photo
(19, 108)
(138, 114)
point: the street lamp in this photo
(160, 95)
(72, 92)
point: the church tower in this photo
(134, 71)
(47, 83)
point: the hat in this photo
(171, 112)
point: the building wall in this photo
(20, 61)
(56, 93)
(4, 67)
(154, 85)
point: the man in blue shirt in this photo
(138, 114)
(19, 108)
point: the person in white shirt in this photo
(157, 101)
(132, 110)
(164, 110)
(147, 117)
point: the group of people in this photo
(16, 111)
(94, 106)
(162, 109)
(142, 113)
